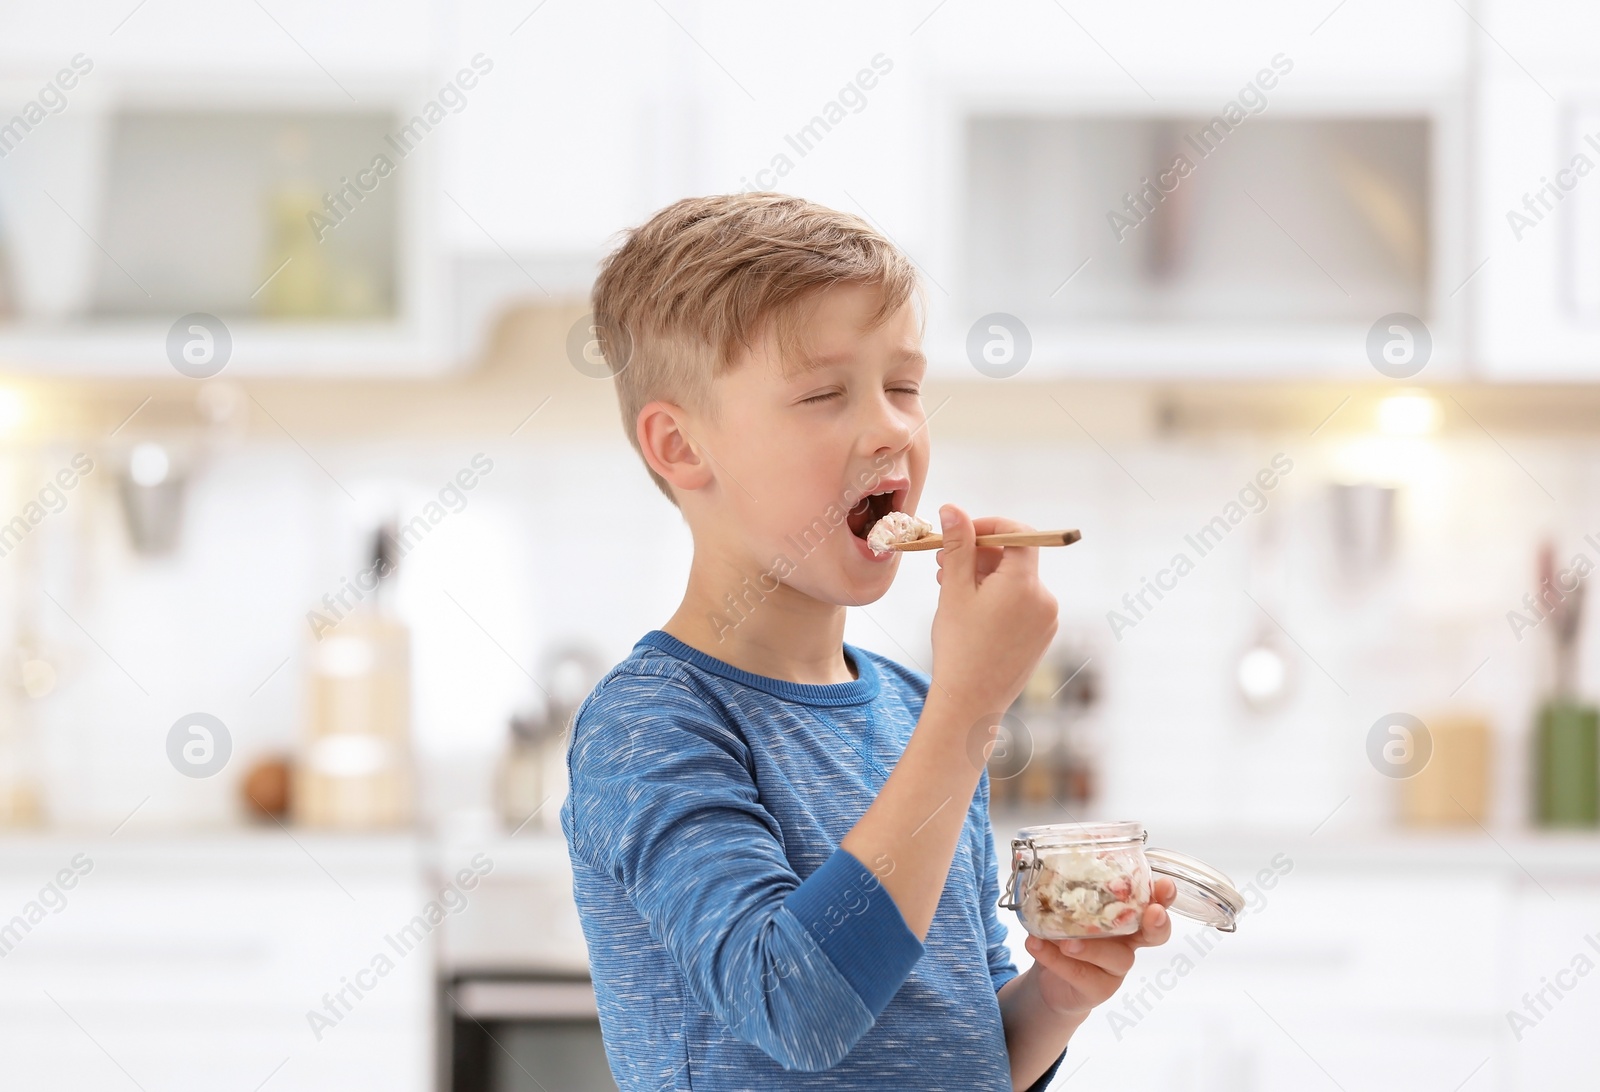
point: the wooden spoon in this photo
(935, 540)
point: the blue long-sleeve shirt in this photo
(732, 942)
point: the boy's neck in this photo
(781, 634)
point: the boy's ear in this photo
(669, 449)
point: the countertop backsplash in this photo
(224, 624)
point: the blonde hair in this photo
(703, 278)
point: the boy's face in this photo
(792, 459)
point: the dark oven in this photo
(524, 1034)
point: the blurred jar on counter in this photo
(532, 779)
(1453, 787)
(531, 772)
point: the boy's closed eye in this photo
(825, 395)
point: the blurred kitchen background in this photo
(302, 441)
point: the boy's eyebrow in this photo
(811, 362)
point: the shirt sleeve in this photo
(1002, 968)
(663, 800)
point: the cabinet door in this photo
(1538, 210)
(197, 975)
(320, 43)
(552, 158)
(1273, 261)
(1104, 50)
(1538, 224)
(1308, 989)
(1551, 1003)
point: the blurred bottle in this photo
(1567, 765)
(296, 261)
(295, 258)
(354, 771)
(1566, 738)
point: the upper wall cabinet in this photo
(991, 143)
(243, 188)
(1537, 298)
(1132, 205)
(356, 188)
(318, 43)
(1192, 245)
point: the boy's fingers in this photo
(1109, 955)
(996, 525)
(1082, 973)
(1154, 928)
(1014, 558)
(958, 555)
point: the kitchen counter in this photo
(1573, 853)
(220, 850)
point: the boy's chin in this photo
(854, 588)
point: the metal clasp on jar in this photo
(1017, 868)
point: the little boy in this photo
(780, 842)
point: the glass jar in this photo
(1073, 881)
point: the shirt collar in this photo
(863, 688)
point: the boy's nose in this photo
(889, 428)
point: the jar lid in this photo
(1204, 893)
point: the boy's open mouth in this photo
(873, 507)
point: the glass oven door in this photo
(525, 1035)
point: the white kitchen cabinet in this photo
(1552, 991)
(587, 123)
(1102, 49)
(1280, 252)
(596, 115)
(1284, 238)
(1304, 989)
(1543, 36)
(113, 234)
(1538, 223)
(1536, 219)
(130, 214)
(290, 37)
(193, 964)
(601, 113)
(1379, 963)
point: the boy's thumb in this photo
(960, 546)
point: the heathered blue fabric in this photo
(732, 943)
